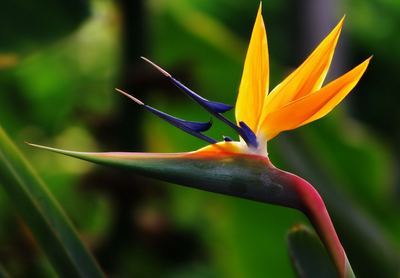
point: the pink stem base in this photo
(315, 209)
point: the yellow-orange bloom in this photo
(297, 100)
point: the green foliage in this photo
(42, 214)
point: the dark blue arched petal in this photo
(193, 128)
(251, 137)
(219, 107)
(215, 107)
(198, 126)
(228, 139)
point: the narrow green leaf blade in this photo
(44, 217)
(308, 255)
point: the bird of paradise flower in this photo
(243, 169)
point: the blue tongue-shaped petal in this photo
(193, 128)
(210, 106)
(219, 107)
(249, 134)
(227, 139)
(197, 126)
(182, 124)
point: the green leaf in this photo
(43, 215)
(308, 255)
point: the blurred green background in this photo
(60, 62)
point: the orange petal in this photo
(307, 78)
(313, 106)
(255, 79)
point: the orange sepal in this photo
(255, 79)
(313, 106)
(306, 79)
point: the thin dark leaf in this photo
(43, 215)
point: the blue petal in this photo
(196, 126)
(228, 139)
(251, 137)
(218, 107)
(193, 128)
(215, 107)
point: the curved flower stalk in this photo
(243, 169)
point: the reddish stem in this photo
(314, 208)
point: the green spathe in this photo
(245, 176)
(240, 175)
